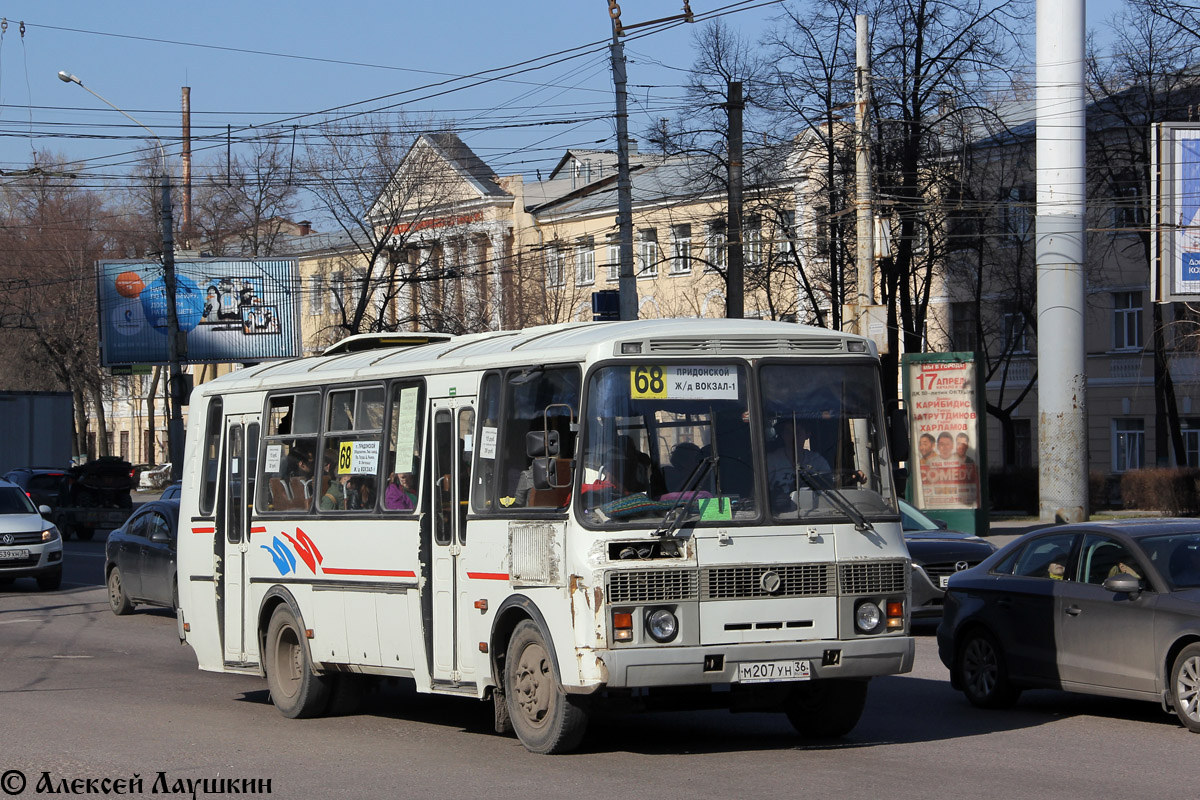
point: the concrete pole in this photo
(627, 283)
(1061, 202)
(864, 201)
(735, 261)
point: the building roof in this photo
(463, 158)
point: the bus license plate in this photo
(771, 671)
(13, 555)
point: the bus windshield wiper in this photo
(834, 495)
(677, 513)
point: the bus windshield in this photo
(657, 437)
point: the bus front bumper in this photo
(693, 666)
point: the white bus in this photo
(647, 511)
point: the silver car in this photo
(1102, 608)
(30, 546)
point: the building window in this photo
(963, 319)
(585, 261)
(337, 285)
(614, 257)
(681, 249)
(1191, 441)
(752, 236)
(1022, 443)
(1015, 329)
(316, 295)
(648, 253)
(785, 234)
(1015, 205)
(821, 223)
(1126, 202)
(718, 252)
(1129, 444)
(1127, 320)
(555, 267)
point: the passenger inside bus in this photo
(401, 493)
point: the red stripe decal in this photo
(488, 576)
(204, 530)
(374, 573)
(261, 529)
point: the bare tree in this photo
(246, 203)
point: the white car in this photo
(30, 546)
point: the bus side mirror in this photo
(540, 444)
(547, 475)
(898, 432)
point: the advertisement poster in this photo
(1188, 185)
(944, 466)
(229, 310)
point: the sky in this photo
(253, 64)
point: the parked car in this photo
(30, 546)
(41, 484)
(139, 558)
(937, 554)
(1103, 608)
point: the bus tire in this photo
(295, 690)
(545, 718)
(826, 709)
(84, 534)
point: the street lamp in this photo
(175, 381)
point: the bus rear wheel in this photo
(295, 690)
(545, 718)
(826, 709)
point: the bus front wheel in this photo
(546, 719)
(826, 709)
(295, 690)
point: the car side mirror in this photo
(1122, 584)
(941, 523)
(160, 537)
(45, 510)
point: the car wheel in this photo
(546, 719)
(118, 601)
(295, 690)
(1185, 687)
(49, 581)
(983, 673)
(84, 534)
(826, 709)
(65, 529)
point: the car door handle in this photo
(1073, 611)
(1004, 602)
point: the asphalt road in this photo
(85, 694)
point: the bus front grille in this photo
(651, 585)
(788, 580)
(873, 577)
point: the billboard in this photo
(946, 468)
(230, 310)
(1175, 199)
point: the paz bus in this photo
(665, 513)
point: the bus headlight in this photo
(867, 617)
(662, 625)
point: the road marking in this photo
(14, 621)
(72, 656)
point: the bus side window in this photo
(402, 476)
(212, 448)
(483, 494)
(540, 409)
(283, 480)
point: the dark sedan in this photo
(1102, 608)
(139, 559)
(936, 554)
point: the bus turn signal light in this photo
(622, 626)
(895, 614)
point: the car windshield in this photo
(14, 501)
(824, 438)
(1177, 557)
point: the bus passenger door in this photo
(241, 450)
(453, 424)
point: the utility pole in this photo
(176, 384)
(185, 155)
(864, 201)
(627, 284)
(1061, 202)
(735, 282)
